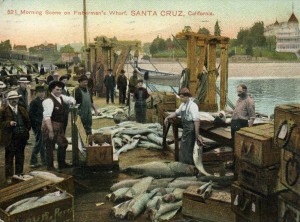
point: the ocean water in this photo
(273, 84)
(267, 92)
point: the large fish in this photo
(19, 203)
(160, 183)
(119, 194)
(134, 131)
(120, 211)
(46, 175)
(197, 156)
(128, 146)
(154, 138)
(183, 184)
(140, 204)
(124, 183)
(174, 196)
(162, 169)
(139, 187)
(163, 209)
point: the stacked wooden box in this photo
(59, 210)
(287, 138)
(254, 194)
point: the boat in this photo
(159, 78)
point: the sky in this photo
(33, 22)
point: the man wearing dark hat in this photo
(22, 91)
(15, 126)
(53, 124)
(122, 86)
(90, 83)
(140, 106)
(36, 118)
(64, 79)
(83, 97)
(3, 74)
(110, 84)
(133, 81)
(189, 112)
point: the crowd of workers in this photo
(47, 115)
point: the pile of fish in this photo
(109, 112)
(129, 135)
(33, 202)
(159, 199)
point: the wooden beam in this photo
(211, 90)
(223, 75)
(192, 64)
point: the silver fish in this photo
(119, 194)
(46, 175)
(201, 189)
(148, 145)
(174, 196)
(197, 156)
(127, 147)
(139, 187)
(154, 138)
(120, 210)
(183, 184)
(19, 203)
(137, 131)
(165, 208)
(124, 183)
(139, 205)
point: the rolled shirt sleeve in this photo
(48, 106)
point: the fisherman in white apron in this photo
(189, 112)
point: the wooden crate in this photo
(99, 155)
(67, 184)
(214, 208)
(253, 206)
(169, 98)
(288, 115)
(95, 155)
(261, 180)
(61, 210)
(289, 171)
(255, 145)
(288, 207)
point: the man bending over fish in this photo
(189, 112)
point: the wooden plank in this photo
(23, 188)
(224, 76)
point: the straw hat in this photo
(13, 95)
(23, 80)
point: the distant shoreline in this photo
(237, 69)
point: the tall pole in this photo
(85, 34)
(84, 24)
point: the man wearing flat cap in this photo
(15, 125)
(110, 84)
(85, 101)
(189, 112)
(122, 86)
(36, 118)
(22, 91)
(140, 96)
(53, 124)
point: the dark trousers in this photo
(39, 147)
(110, 93)
(236, 125)
(15, 150)
(60, 140)
(122, 96)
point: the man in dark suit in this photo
(110, 84)
(15, 126)
(36, 118)
(122, 86)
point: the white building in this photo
(287, 34)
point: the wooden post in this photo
(192, 63)
(224, 75)
(211, 99)
(92, 58)
(75, 150)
